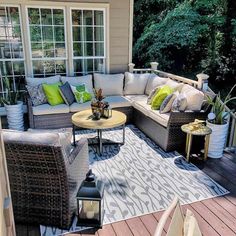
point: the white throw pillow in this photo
(194, 97)
(37, 81)
(135, 83)
(79, 80)
(111, 84)
(153, 82)
(174, 85)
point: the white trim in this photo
(105, 40)
(41, 25)
(131, 15)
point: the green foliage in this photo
(218, 106)
(188, 37)
(12, 95)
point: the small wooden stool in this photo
(200, 130)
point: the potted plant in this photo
(97, 104)
(14, 107)
(217, 121)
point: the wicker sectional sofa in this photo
(164, 129)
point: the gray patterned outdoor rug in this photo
(140, 178)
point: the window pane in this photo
(18, 67)
(38, 67)
(14, 15)
(87, 17)
(2, 49)
(88, 65)
(98, 17)
(60, 50)
(88, 49)
(59, 33)
(48, 49)
(3, 18)
(36, 49)
(99, 65)
(99, 35)
(46, 16)
(78, 51)
(49, 67)
(33, 16)
(17, 50)
(88, 34)
(77, 33)
(6, 68)
(58, 17)
(76, 17)
(35, 33)
(61, 67)
(78, 66)
(99, 50)
(3, 33)
(16, 32)
(47, 33)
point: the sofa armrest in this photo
(30, 111)
(178, 118)
(78, 162)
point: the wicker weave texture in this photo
(44, 182)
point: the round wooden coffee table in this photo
(84, 119)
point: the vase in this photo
(15, 116)
(218, 139)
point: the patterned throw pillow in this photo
(81, 94)
(180, 103)
(152, 95)
(167, 103)
(37, 94)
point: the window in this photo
(62, 38)
(47, 41)
(11, 47)
(88, 41)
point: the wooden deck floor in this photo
(215, 216)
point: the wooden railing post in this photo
(154, 65)
(202, 81)
(131, 67)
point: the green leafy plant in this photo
(11, 96)
(218, 107)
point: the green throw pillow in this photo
(160, 96)
(53, 94)
(81, 94)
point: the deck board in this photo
(216, 216)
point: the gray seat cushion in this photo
(46, 109)
(74, 107)
(118, 101)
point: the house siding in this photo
(119, 32)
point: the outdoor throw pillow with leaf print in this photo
(81, 94)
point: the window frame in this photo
(29, 37)
(104, 57)
(23, 59)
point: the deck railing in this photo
(198, 83)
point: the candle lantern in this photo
(90, 204)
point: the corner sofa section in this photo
(163, 129)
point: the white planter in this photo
(217, 139)
(15, 116)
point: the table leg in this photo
(100, 142)
(186, 147)
(123, 134)
(73, 130)
(206, 146)
(189, 147)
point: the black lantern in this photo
(90, 202)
